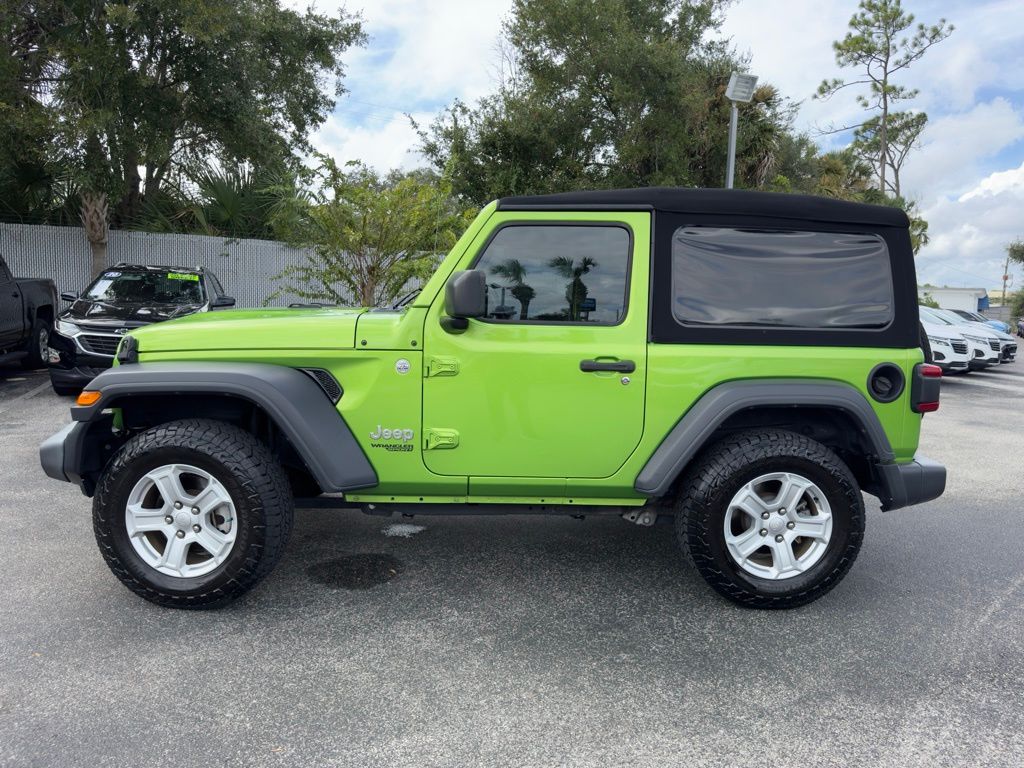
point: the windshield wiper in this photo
(406, 299)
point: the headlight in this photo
(937, 342)
(65, 328)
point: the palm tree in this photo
(514, 272)
(576, 290)
(94, 220)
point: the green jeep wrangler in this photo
(745, 363)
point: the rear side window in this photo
(777, 278)
(557, 273)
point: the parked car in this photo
(1002, 343)
(27, 307)
(743, 362)
(981, 352)
(122, 298)
(948, 349)
(1020, 327)
(977, 317)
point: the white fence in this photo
(246, 268)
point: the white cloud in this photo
(382, 145)
(955, 146)
(969, 234)
(420, 56)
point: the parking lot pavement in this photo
(524, 640)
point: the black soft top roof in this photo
(717, 201)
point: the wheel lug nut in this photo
(180, 534)
(765, 515)
(195, 510)
(778, 538)
(168, 519)
(764, 531)
(177, 505)
(791, 525)
(196, 528)
(782, 510)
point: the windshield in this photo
(931, 317)
(951, 317)
(115, 287)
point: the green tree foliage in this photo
(607, 93)
(234, 202)
(879, 46)
(370, 236)
(125, 93)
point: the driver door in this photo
(549, 384)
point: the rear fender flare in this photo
(692, 432)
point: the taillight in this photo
(924, 392)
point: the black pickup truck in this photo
(26, 318)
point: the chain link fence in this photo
(246, 268)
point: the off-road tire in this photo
(259, 490)
(36, 357)
(709, 486)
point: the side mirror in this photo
(465, 296)
(223, 301)
(68, 296)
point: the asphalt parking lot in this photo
(536, 641)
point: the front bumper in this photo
(75, 367)
(74, 455)
(912, 483)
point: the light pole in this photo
(740, 88)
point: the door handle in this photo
(619, 366)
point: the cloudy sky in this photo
(968, 177)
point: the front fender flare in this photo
(292, 400)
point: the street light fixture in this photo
(740, 88)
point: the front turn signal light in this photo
(88, 397)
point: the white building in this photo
(970, 299)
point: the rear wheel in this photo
(192, 514)
(771, 519)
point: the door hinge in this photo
(441, 366)
(438, 439)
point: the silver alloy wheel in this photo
(181, 520)
(778, 525)
(43, 343)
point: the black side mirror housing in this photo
(68, 296)
(465, 296)
(223, 301)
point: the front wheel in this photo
(192, 514)
(771, 518)
(38, 345)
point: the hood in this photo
(120, 315)
(980, 329)
(942, 331)
(252, 329)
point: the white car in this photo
(984, 346)
(950, 350)
(1007, 344)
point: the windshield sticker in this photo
(111, 274)
(182, 276)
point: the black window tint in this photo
(557, 273)
(724, 276)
